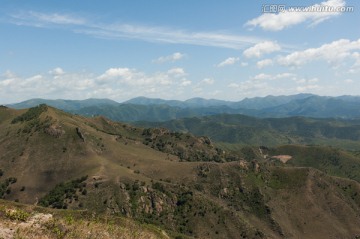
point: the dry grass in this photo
(54, 225)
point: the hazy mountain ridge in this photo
(67, 105)
(146, 109)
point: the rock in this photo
(80, 134)
(54, 130)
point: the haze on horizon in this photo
(176, 50)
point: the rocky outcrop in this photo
(54, 130)
(80, 134)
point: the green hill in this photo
(246, 130)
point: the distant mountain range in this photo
(148, 109)
(256, 103)
(67, 105)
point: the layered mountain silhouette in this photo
(146, 109)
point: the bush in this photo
(31, 114)
(159, 186)
(55, 198)
(17, 214)
(4, 187)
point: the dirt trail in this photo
(283, 158)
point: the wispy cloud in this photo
(228, 61)
(37, 19)
(170, 35)
(171, 58)
(162, 34)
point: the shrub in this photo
(17, 214)
(31, 114)
(55, 198)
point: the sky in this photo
(177, 49)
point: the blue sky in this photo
(178, 49)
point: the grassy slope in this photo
(203, 199)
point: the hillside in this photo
(185, 185)
(246, 130)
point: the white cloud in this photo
(57, 71)
(111, 73)
(349, 81)
(356, 56)
(127, 31)
(248, 86)
(185, 83)
(178, 72)
(6, 82)
(307, 88)
(333, 53)
(208, 81)
(263, 63)
(313, 80)
(228, 61)
(262, 48)
(356, 66)
(262, 76)
(285, 75)
(115, 83)
(243, 64)
(306, 81)
(276, 84)
(279, 76)
(171, 58)
(233, 85)
(9, 74)
(293, 16)
(306, 85)
(133, 77)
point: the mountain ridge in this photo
(142, 108)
